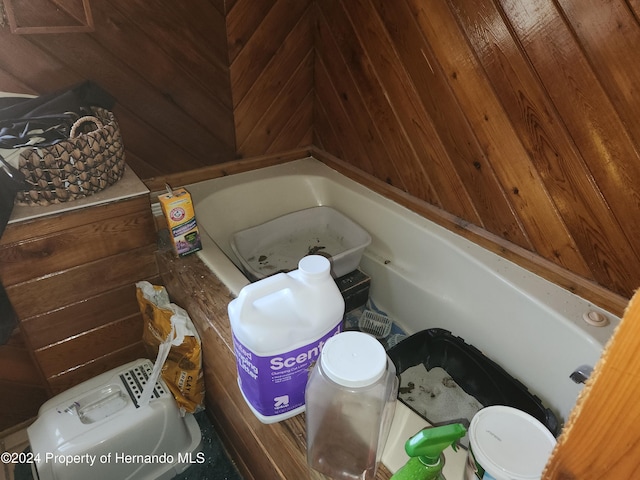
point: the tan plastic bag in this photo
(165, 322)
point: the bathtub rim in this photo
(587, 289)
(584, 288)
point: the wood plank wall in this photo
(271, 68)
(165, 62)
(519, 117)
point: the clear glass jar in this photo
(350, 401)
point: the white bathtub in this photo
(423, 275)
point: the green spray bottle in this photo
(425, 449)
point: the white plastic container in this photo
(351, 397)
(507, 444)
(279, 326)
(278, 245)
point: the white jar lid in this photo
(509, 443)
(353, 359)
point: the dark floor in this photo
(217, 466)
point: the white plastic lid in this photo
(314, 265)
(353, 359)
(510, 444)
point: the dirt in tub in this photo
(285, 254)
(436, 396)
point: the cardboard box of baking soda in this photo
(177, 208)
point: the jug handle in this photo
(250, 293)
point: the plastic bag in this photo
(165, 322)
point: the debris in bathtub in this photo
(315, 250)
(436, 396)
(408, 389)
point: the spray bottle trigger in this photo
(429, 443)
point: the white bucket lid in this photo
(509, 443)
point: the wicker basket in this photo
(86, 163)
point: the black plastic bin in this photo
(476, 374)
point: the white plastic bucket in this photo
(507, 444)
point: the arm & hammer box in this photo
(177, 208)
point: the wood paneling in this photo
(271, 71)
(518, 118)
(166, 64)
(58, 250)
(21, 384)
(71, 281)
(72, 285)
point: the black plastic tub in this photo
(476, 374)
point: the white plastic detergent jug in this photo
(279, 327)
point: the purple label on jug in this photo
(275, 384)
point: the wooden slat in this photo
(114, 359)
(42, 16)
(331, 117)
(342, 96)
(263, 44)
(52, 224)
(30, 73)
(19, 403)
(609, 37)
(272, 123)
(297, 130)
(271, 84)
(87, 314)
(157, 184)
(411, 125)
(398, 152)
(171, 121)
(173, 90)
(21, 383)
(80, 349)
(16, 364)
(489, 199)
(199, 72)
(75, 284)
(242, 21)
(61, 250)
(537, 212)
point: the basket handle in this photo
(82, 120)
